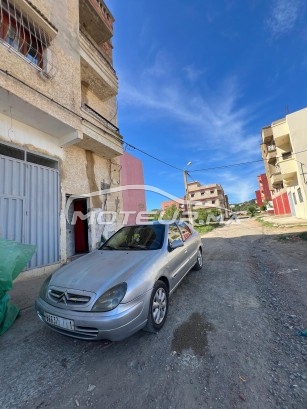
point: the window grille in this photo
(24, 36)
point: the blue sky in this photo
(199, 79)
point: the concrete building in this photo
(263, 195)
(208, 196)
(284, 151)
(204, 197)
(58, 126)
(132, 181)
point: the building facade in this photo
(204, 197)
(59, 139)
(263, 195)
(208, 196)
(284, 152)
(133, 194)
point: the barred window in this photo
(19, 32)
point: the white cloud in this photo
(192, 73)
(283, 16)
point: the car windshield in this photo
(143, 237)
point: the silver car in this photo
(123, 286)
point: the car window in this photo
(173, 233)
(143, 237)
(185, 230)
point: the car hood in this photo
(100, 270)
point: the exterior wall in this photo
(258, 198)
(281, 205)
(64, 87)
(45, 115)
(297, 123)
(204, 196)
(169, 203)
(133, 199)
(263, 194)
(287, 169)
(209, 196)
(81, 172)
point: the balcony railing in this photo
(96, 70)
(271, 156)
(288, 168)
(96, 19)
(281, 133)
(271, 147)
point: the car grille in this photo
(68, 297)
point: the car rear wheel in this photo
(158, 307)
(199, 263)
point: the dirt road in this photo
(231, 340)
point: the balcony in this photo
(267, 134)
(271, 153)
(288, 168)
(96, 19)
(281, 133)
(99, 135)
(96, 72)
(276, 179)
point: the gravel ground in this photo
(231, 339)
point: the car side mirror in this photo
(176, 243)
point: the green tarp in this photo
(13, 259)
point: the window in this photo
(286, 155)
(294, 198)
(202, 193)
(212, 191)
(173, 233)
(192, 194)
(185, 230)
(213, 201)
(300, 196)
(23, 35)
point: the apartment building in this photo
(284, 152)
(208, 196)
(263, 195)
(58, 126)
(204, 196)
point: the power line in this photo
(119, 139)
(227, 166)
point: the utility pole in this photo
(189, 209)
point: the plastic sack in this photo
(13, 259)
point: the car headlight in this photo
(44, 288)
(111, 298)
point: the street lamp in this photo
(189, 209)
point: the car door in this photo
(190, 242)
(177, 259)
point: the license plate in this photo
(59, 321)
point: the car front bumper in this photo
(115, 325)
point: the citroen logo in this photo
(63, 298)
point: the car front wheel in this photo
(158, 307)
(199, 263)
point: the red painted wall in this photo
(258, 198)
(132, 174)
(264, 188)
(281, 205)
